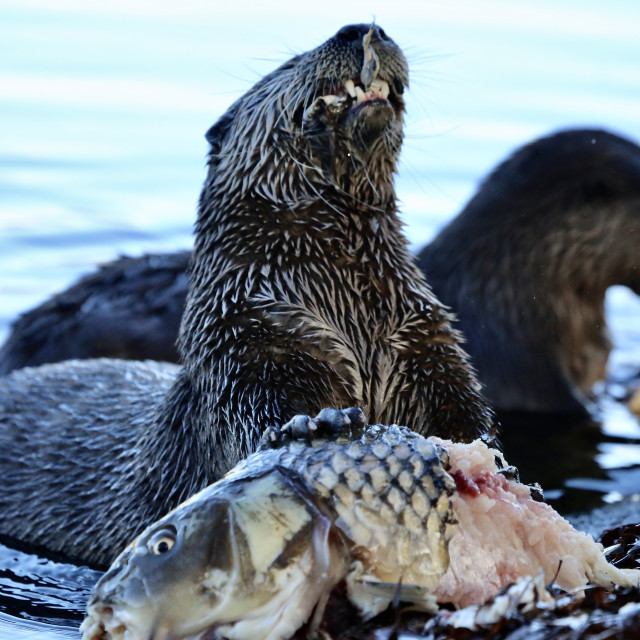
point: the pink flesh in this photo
(504, 534)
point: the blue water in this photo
(103, 108)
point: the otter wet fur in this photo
(530, 302)
(303, 295)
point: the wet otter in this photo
(532, 311)
(528, 281)
(303, 294)
(129, 308)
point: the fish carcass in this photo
(390, 514)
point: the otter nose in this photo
(355, 33)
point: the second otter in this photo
(527, 264)
(303, 295)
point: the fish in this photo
(392, 515)
(370, 62)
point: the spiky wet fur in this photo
(303, 295)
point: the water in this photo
(103, 111)
(40, 597)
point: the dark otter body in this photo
(514, 266)
(129, 308)
(303, 295)
(527, 263)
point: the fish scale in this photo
(388, 489)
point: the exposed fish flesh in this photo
(395, 515)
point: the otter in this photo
(527, 263)
(129, 308)
(303, 294)
(532, 313)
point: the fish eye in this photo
(161, 541)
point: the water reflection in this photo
(12, 628)
(40, 597)
(579, 461)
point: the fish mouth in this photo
(114, 622)
(102, 623)
(105, 622)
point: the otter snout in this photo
(356, 33)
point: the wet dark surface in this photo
(581, 462)
(41, 598)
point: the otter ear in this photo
(218, 132)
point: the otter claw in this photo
(333, 421)
(357, 416)
(300, 427)
(328, 423)
(271, 438)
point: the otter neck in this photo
(237, 256)
(319, 213)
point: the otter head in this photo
(329, 119)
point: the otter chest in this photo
(362, 328)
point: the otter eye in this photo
(161, 542)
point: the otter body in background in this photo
(527, 263)
(524, 266)
(129, 308)
(303, 294)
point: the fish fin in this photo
(372, 596)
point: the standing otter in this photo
(527, 263)
(523, 266)
(303, 294)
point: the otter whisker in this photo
(301, 100)
(286, 110)
(371, 182)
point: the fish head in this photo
(243, 559)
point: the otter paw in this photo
(271, 438)
(329, 423)
(333, 422)
(300, 427)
